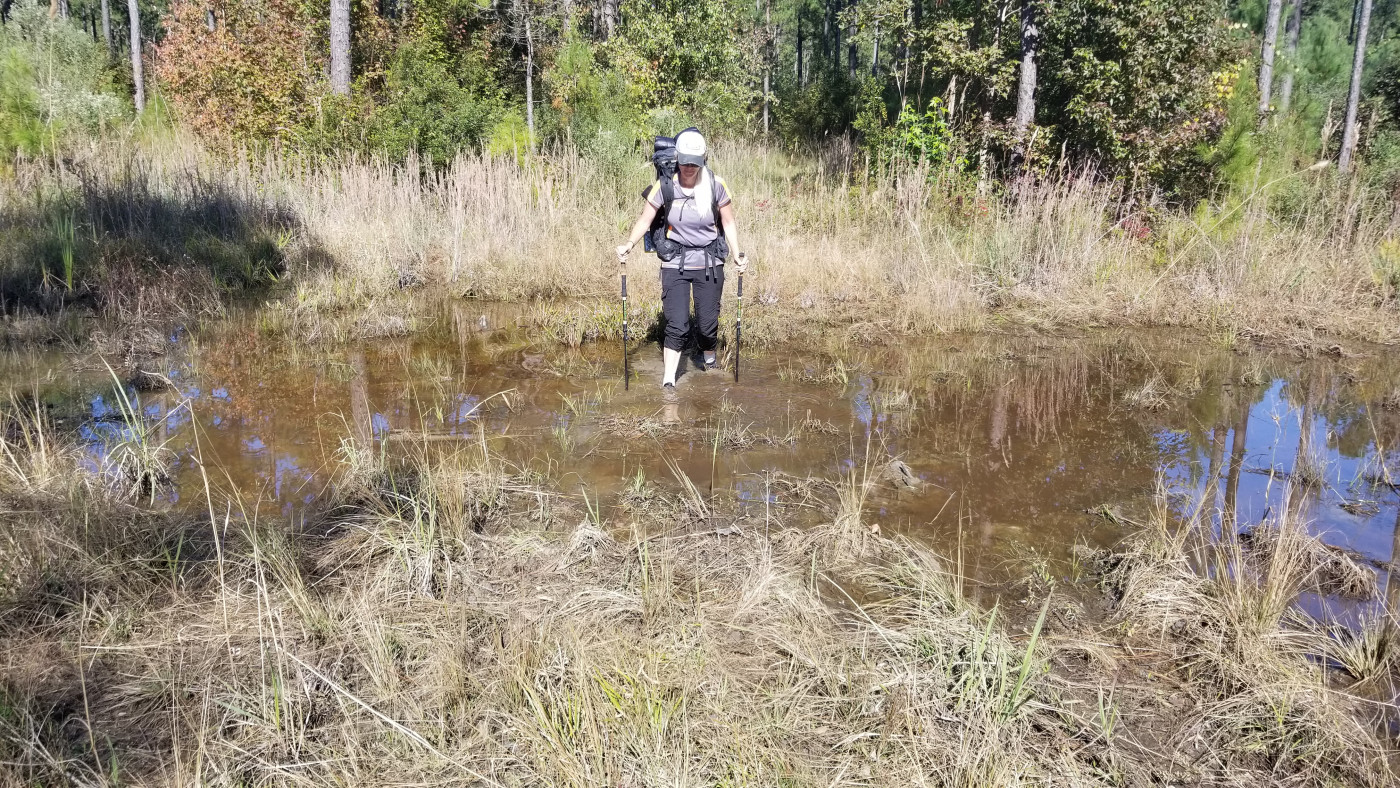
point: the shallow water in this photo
(1023, 446)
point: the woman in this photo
(693, 264)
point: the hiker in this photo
(690, 245)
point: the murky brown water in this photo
(1019, 442)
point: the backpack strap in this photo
(668, 196)
(714, 208)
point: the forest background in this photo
(1181, 95)
(1187, 112)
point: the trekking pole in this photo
(739, 326)
(625, 371)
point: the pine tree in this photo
(1350, 130)
(1295, 24)
(138, 79)
(340, 47)
(1266, 58)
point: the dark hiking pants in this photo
(707, 285)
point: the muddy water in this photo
(1023, 447)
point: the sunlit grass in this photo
(358, 248)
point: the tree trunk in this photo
(799, 73)
(361, 417)
(1358, 62)
(609, 18)
(1392, 585)
(767, 59)
(831, 33)
(529, 82)
(1025, 92)
(987, 100)
(340, 47)
(209, 20)
(875, 52)
(901, 52)
(138, 79)
(1217, 458)
(1290, 56)
(851, 54)
(765, 101)
(107, 25)
(1266, 58)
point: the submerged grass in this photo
(452, 620)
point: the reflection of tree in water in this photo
(1037, 442)
(1032, 441)
(361, 424)
(1214, 470)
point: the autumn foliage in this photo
(254, 77)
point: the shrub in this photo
(594, 106)
(251, 78)
(430, 110)
(74, 91)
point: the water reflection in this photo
(1020, 442)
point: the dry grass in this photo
(361, 246)
(456, 622)
(1219, 615)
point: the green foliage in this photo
(871, 117)
(430, 110)
(820, 109)
(21, 122)
(922, 137)
(510, 136)
(1150, 91)
(1136, 86)
(54, 80)
(686, 54)
(593, 105)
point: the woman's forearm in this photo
(640, 228)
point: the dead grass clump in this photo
(1328, 570)
(465, 625)
(1369, 653)
(414, 648)
(136, 295)
(627, 426)
(1391, 401)
(1154, 395)
(1259, 697)
(890, 256)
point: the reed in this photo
(356, 247)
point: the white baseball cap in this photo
(690, 147)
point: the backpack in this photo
(665, 160)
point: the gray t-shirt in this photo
(687, 222)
